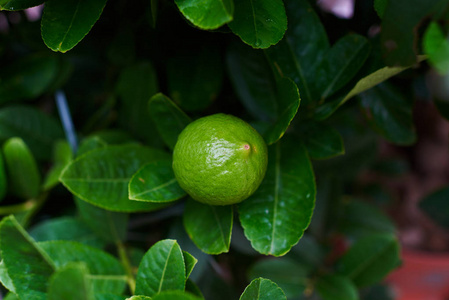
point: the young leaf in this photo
(155, 182)
(38, 130)
(27, 266)
(259, 23)
(275, 216)
(23, 174)
(101, 176)
(263, 289)
(62, 156)
(334, 287)
(218, 221)
(162, 268)
(370, 259)
(436, 206)
(169, 119)
(71, 282)
(18, 4)
(190, 262)
(436, 46)
(65, 23)
(209, 14)
(175, 295)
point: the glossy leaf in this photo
(436, 206)
(259, 23)
(370, 259)
(18, 4)
(175, 295)
(302, 49)
(275, 216)
(436, 46)
(27, 266)
(62, 156)
(101, 176)
(155, 182)
(390, 113)
(322, 141)
(3, 179)
(169, 119)
(218, 221)
(195, 79)
(65, 23)
(106, 272)
(39, 131)
(262, 289)
(27, 78)
(70, 282)
(333, 287)
(190, 262)
(209, 14)
(23, 174)
(341, 63)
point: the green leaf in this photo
(101, 176)
(190, 262)
(26, 264)
(175, 295)
(302, 49)
(65, 23)
(209, 14)
(334, 287)
(62, 156)
(380, 6)
(155, 182)
(70, 282)
(18, 4)
(139, 298)
(90, 143)
(370, 259)
(106, 272)
(341, 63)
(23, 174)
(436, 206)
(3, 179)
(107, 296)
(162, 268)
(194, 83)
(287, 273)
(275, 216)
(436, 46)
(390, 113)
(321, 140)
(28, 77)
(11, 296)
(67, 229)
(169, 119)
(38, 130)
(259, 23)
(218, 221)
(263, 289)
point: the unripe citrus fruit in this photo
(220, 159)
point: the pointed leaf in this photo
(162, 268)
(190, 262)
(155, 182)
(101, 176)
(175, 295)
(18, 4)
(259, 23)
(169, 119)
(209, 14)
(26, 264)
(65, 23)
(333, 287)
(436, 46)
(436, 206)
(263, 289)
(218, 221)
(71, 282)
(275, 216)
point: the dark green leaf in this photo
(18, 4)
(333, 287)
(390, 114)
(89, 144)
(38, 130)
(380, 6)
(162, 268)
(275, 216)
(436, 206)
(209, 14)
(218, 221)
(263, 289)
(70, 282)
(65, 23)
(191, 287)
(101, 176)
(155, 182)
(189, 262)
(443, 108)
(3, 180)
(169, 119)
(436, 46)
(27, 266)
(175, 295)
(370, 259)
(62, 156)
(11, 296)
(259, 23)
(23, 175)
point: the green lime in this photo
(220, 159)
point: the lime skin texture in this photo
(220, 159)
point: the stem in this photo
(124, 259)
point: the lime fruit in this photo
(220, 159)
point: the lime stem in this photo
(124, 259)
